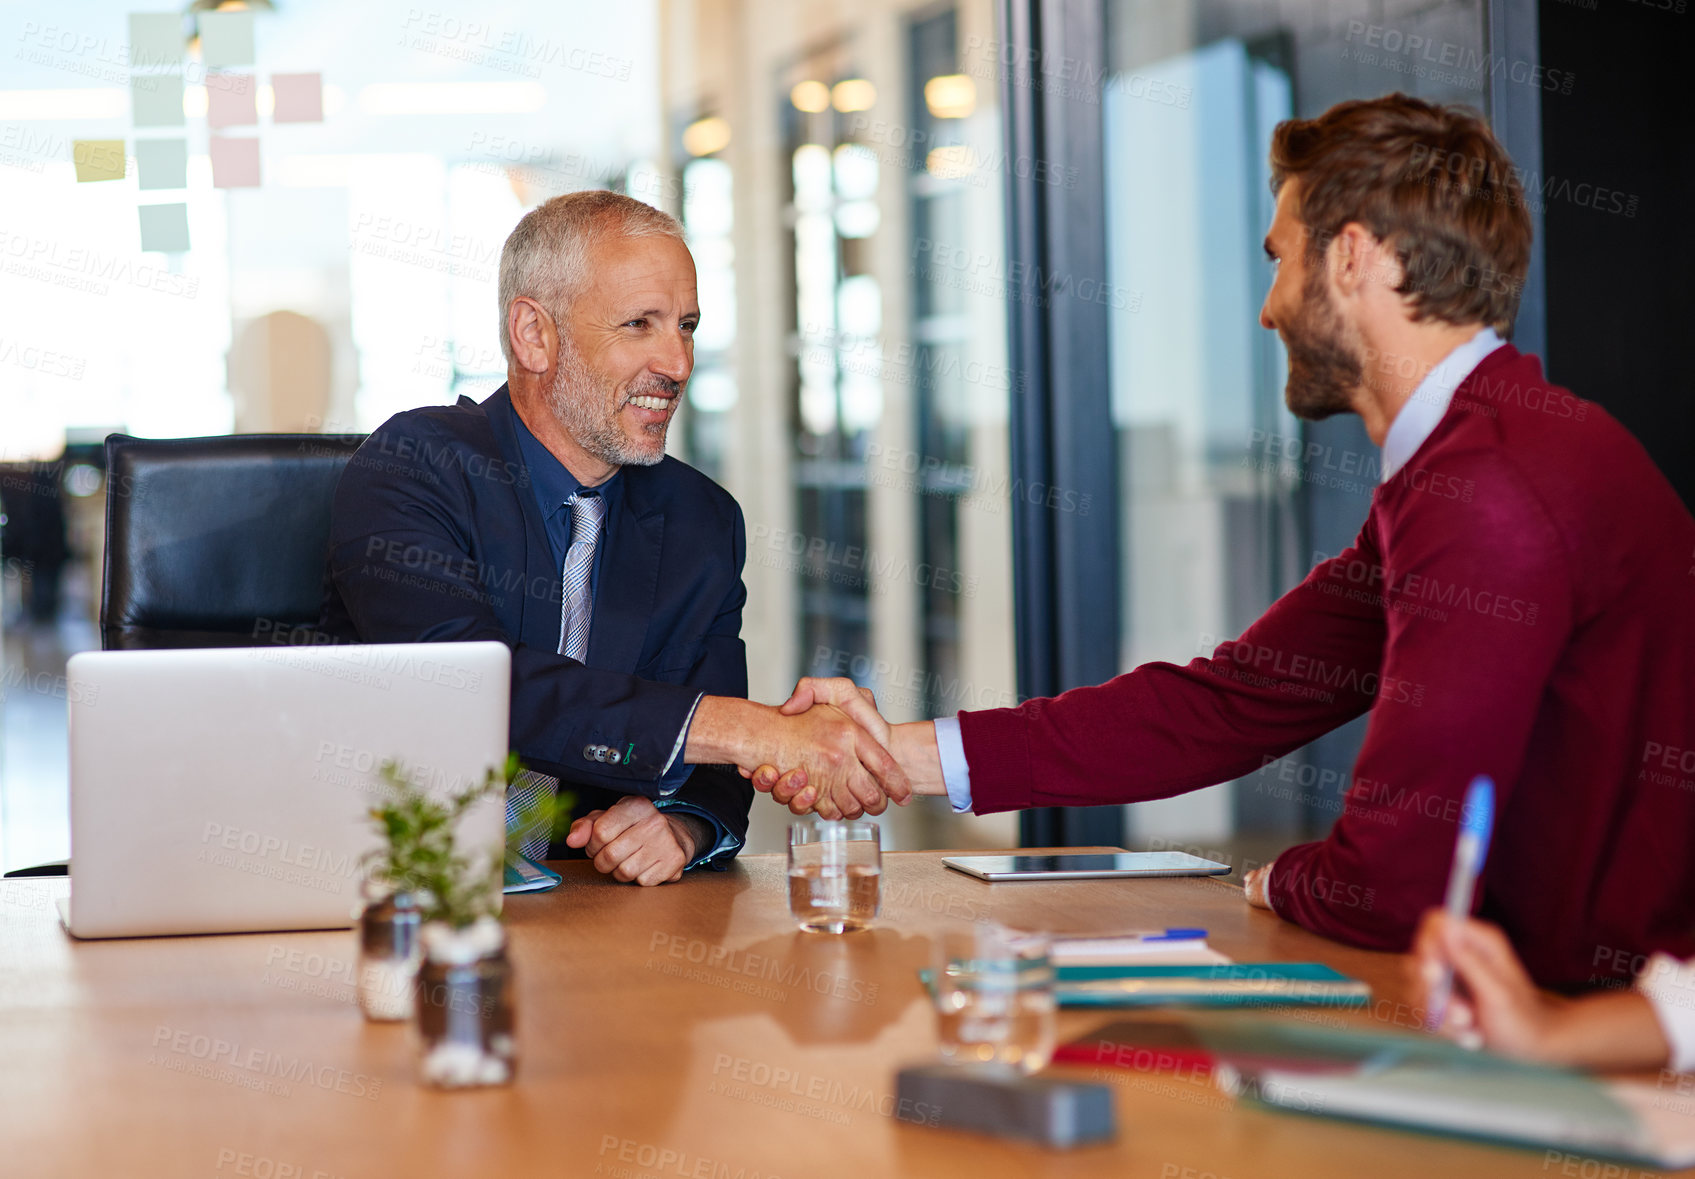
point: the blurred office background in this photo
(979, 353)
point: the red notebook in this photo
(1182, 1045)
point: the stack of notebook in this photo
(1176, 967)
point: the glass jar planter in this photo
(388, 952)
(465, 1007)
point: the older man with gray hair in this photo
(548, 517)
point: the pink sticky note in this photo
(232, 100)
(235, 162)
(300, 98)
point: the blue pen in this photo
(1476, 821)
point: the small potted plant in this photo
(449, 900)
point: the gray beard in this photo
(578, 397)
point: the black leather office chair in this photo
(217, 542)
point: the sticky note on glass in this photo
(162, 163)
(164, 228)
(226, 39)
(300, 98)
(232, 100)
(98, 159)
(235, 162)
(156, 99)
(155, 39)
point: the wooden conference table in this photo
(683, 1031)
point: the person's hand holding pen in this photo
(1496, 1005)
(1486, 995)
(1475, 990)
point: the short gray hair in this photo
(546, 256)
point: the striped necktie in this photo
(576, 609)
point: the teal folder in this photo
(1236, 984)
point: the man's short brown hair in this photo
(1431, 181)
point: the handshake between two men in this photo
(825, 750)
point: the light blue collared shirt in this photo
(553, 484)
(1415, 423)
(1424, 409)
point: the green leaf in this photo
(418, 853)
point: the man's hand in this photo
(635, 840)
(857, 703)
(841, 768)
(1256, 886)
(912, 745)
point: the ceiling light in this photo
(705, 136)
(950, 96)
(853, 94)
(810, 96)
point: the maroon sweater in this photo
(1520, 603)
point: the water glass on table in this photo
(994, 997)
(835, 872)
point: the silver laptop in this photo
(228, 790)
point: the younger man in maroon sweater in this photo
(1520, 602)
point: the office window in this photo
(709, 214)
(866, 437)
(1226, 499)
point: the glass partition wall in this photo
(865, 427)
(1226, 500)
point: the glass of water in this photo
(835, 870)
(994, 997)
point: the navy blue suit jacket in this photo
(436, 537)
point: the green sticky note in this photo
(164, 228)
(226, 39)
(98, 159)
(156, 100)
(162, 163)
(155, 39)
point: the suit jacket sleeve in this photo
(410, 567)
(722, 671)
(1480, 600)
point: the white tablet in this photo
(1085, 866)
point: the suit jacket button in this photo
(588, 753)
(612, 757)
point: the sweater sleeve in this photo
(1479, 601)
(1309, 664)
